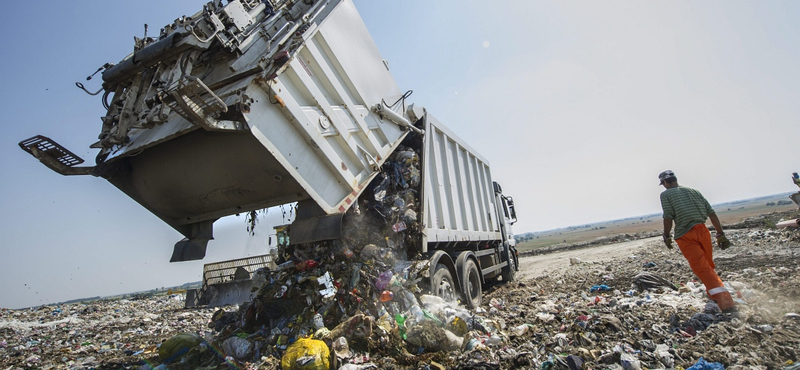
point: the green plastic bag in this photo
(177, 346)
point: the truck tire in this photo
(443, 285)
(511, 269)
(472, 284)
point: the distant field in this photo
(728, 213)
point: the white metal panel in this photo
(341, 31)
(466, 189)
(329, 140)
(458, 193)
(480, 207)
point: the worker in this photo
(688, 209)
(796, 179)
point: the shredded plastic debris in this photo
(548, 321)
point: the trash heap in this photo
(636, 311)
(103, 334)
(358, 296)
(629, 313)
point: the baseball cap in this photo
(665, 175)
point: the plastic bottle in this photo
(387, 296)
(492, 341)
(401, 324)
(416, 311)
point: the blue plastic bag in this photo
(705, 365)
(603, 288)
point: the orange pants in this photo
(696, 247)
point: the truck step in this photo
(46, 146)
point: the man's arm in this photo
(668, 226)
(667, 230)
(716, 223)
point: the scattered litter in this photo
(549, 321)
(648, 280)
(600, 288)
(702, 364)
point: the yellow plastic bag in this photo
(306, 354)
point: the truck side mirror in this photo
(511, 209)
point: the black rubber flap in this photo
(189, 250)
(316, 229)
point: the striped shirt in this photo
(686, 206)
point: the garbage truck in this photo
(252, 104)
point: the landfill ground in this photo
(568, 309)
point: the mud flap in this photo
(189, 250)
(316, 229)
(193, 246)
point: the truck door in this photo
(510, 218)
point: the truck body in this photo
(254, 104)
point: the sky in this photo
(577, 106)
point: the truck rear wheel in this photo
(443, 285)
(472, 284)
(511, 269)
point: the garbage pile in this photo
(105, 334)
(359, 296)
(648, 311)
(640, 311)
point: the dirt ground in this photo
(548, 263)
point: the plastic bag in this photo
(341, 348)
(520, 329)
(702, 364)
(630, 362)
(383, 280)
(238, 348)
(602, 288)
(306, 354)
(649, 280)
(380, 189)
(177, 346)
(370, 252)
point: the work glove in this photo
(723, 242)
(667, 241)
